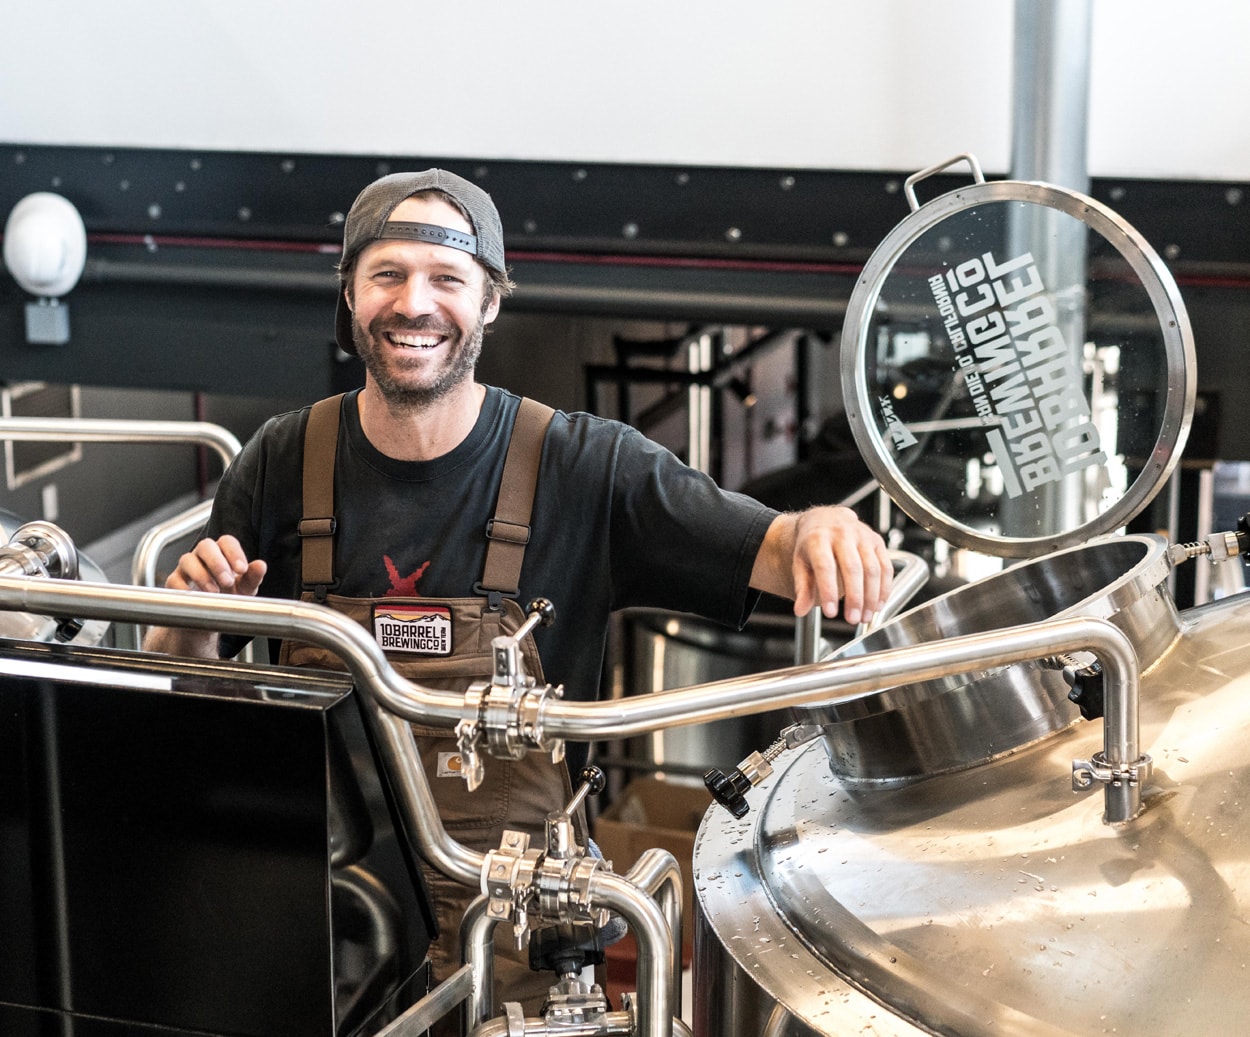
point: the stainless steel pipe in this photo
(116, 430)
(656, 999)
(911, 573)
(108, 430)
(836, 681)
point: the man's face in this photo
(419, 310)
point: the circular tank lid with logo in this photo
(1017, 366)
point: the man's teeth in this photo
(416, 341)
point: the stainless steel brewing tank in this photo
(968, 719)
(992, 900)
(1018, 371)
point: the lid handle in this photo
(909, 185)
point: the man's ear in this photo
(492, 308)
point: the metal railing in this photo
(113, 430)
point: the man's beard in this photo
(458, 365)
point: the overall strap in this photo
(318, 526)
(509, 531)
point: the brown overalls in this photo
(515, 793)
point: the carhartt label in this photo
(419, 629)
(449, 765)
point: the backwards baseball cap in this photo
(369, 220)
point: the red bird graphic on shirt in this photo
(403, 586)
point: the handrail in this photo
(120, 430)
(153, 543)
(123, 430)
(160, 536)
(911, 573)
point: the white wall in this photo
(842, 84)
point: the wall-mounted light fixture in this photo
(45, 249)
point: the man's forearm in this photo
(196, 644)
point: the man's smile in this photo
(414, 340)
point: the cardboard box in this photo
(655, 813)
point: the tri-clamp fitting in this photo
(506, 714)
(1085, 773)
(39, 549)
(553, 882)
(45, 550)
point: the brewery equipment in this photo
(929, 858)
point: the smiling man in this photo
(401, 505)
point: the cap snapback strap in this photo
(432, 233)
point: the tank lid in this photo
(1017, 366)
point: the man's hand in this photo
(822, 555)
(217, 567)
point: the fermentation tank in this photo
(937, 859)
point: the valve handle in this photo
(1243, 536)
(1088, 693)
(539, 613)
(593, 777)
(729, 790)
(593, 781)
(544, 609)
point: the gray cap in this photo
(369, 221)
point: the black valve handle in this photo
(729, 790)
(1087, 683)
(592, 782)
(544, 609)
(594, 778)
(1243, 535)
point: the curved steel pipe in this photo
(846, 680)
(160, 536)
(398, 748)
(657, 872)
(118, 430)
(832, 682)
(655, 949)
(910, 575)
(477, 930)
(155, 540)
(111, 430)
(262, 617)
(911, 572)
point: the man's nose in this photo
(416, 297)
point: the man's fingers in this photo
(838, 557)
(217, 566)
